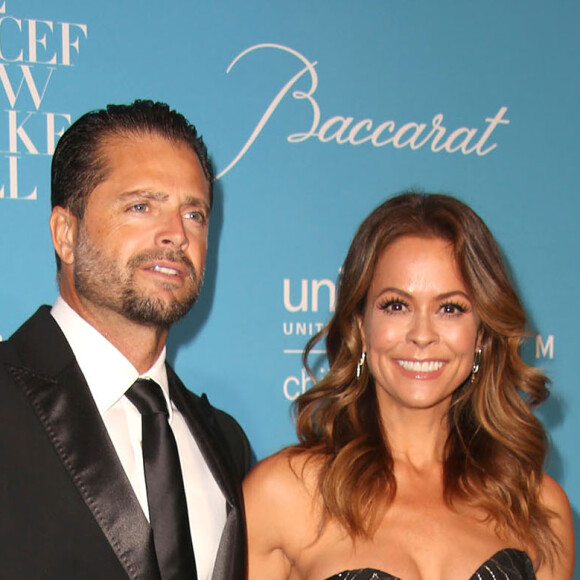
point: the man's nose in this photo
(172, 230)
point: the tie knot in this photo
(148, 397)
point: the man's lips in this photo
(166, 270)
(171, 269)
(169, 265)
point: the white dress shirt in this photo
(109, 375)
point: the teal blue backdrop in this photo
(314, 112)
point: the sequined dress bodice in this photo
(508, 564)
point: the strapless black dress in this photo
(508, 564)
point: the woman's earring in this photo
(476, 361)
(361, 362)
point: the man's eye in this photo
(139, 207)
(196, 216)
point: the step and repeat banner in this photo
(314, 112)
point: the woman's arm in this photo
(276, 503)
(554, 498)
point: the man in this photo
(80, 484)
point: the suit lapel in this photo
(58, 392)
(199, 417)
(201, 420)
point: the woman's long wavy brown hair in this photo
(495, 448)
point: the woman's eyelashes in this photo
(393, 305)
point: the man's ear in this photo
(63, 229)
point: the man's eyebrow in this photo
(153, 195)
(196, 201)
(144, 194)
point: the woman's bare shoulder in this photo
(289, 472)
(278, 495)
(555, 499)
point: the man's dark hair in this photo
(78, 163)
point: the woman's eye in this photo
(452, 308)
(393, 306)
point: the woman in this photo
(419, 457)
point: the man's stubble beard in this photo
(100, 280)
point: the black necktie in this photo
(165, 492)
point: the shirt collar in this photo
(107, 371)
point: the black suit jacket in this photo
(67, 509)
